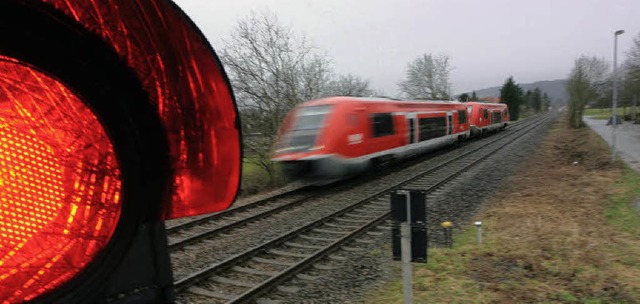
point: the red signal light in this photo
(60, 183)
(189, 88)
(114, 115)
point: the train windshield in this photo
(311, 118)
(304, 134)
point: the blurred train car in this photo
(487, 117)
(337, 137)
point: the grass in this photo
(604, 113)
(623, 211)
(255, 179)
(561, 232)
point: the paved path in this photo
(627, 139)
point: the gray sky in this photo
(487, 41)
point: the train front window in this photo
(308, 123)
(311, 118)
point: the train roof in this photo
(365, 100)
(489, 104)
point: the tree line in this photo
(521, 102)
(591, 82)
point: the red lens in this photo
(184, 80)
(60, 183)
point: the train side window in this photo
(382, 124)
(496, 117)
(432, 127)
(485, 113)
(462, 116)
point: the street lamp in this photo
(614, 117)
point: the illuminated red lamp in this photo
(59, 183)
(186, 83)
(114, 115)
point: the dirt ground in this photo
(550, 235)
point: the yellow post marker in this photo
(447, 230)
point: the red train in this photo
(338, 137)
(487, 117)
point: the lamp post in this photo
(614, 117)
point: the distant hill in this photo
(554, 88)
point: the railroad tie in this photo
(255, 271)
(272, 261)
(337, 257)
(208, 293)
(228, 281)
(357, 215)
(352, 249)
(303, 246)
(307, 277)
(380, 208)
(342, 219)
(289, 254)
(341, 226)
(313, 238)
(318, 230)
(324, 267)
(288, 289)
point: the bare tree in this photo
(631, 65)
(630, 72)
(349, 85)
(427, 78)
(271, 69)
(588, 81)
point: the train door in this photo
(411, 121)
(449, 123)
(487, 118)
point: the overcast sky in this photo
(487, 40)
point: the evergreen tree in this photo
(546, 101)
(536, 100)
(527, 99)
(463, 97)
(474, 97)
(511, 94)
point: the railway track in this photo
(190, 232)
(182, 233)
(245, 276)
(186, 232)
